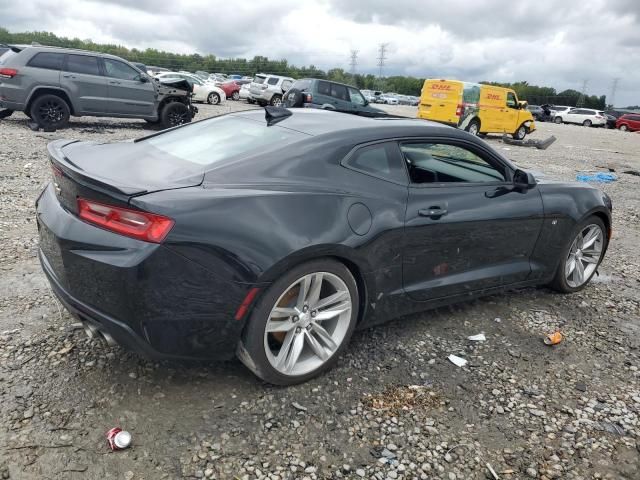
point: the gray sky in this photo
(545, 42)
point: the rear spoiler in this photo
(13, 48)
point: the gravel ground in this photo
(393, 407)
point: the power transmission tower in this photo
(354, 61)
(583, 92)
(614, 87)
(382, 50)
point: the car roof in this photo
(314, 122)
(330, 81)
(48, 48)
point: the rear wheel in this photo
(276, 100)
(235, 95)
(581, 257)
(474, 127)
(520, 133)
(557, 120)
(586, 123)
(174, 114)
(301, 325)
(624, 128)
(50, 111)
(213, 98)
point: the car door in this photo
(130, 92)
(510, 114)
(82, 78)
(573, 116)
(466, 227)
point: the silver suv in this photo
(49, 84)
(268, 89)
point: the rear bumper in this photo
(148, 297)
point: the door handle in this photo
(114, 83)
(69, 76)
(434, 212)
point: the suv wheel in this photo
(174, 114)
(50, 111)
(276, 100)
(5, 113)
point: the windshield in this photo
(220, 138)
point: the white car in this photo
(202, 91)
(582, 116)
(245, 91)
(269, 89)
(389, 100)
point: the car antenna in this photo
(274, 115)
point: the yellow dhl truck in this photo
(475, 107)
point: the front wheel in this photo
(474, 127)
(276, 101)
(213, 98)
(586, 123)
(520, 133)
(582, 256)
(174, 114)
(302, 323)
(235, 95)
(624, 128)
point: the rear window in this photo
(259, 79)
(302, 85)
(212, 141)
(48, 60)
(85, 64)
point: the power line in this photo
(583, 92)
(354, 61)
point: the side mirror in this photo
(144, 78)
(523, 180)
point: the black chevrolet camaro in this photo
(273, 235)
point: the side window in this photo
(85, 64)
(339, 91)
(380, 160)
(116, 69)
(442, 163)
(273, 80)
(50, 61)
(324, 88)
(511, 100)
(356, 96)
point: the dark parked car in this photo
(629, 122)
(276, 237)
(327, 95)
(50, 84)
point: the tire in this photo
(586, 123)
(235, 96)
(262, 103)
(256, 348)
(213, 98)
(473, 128)
(251, 101)
(50, 111)
(174, 114)
(152, 122)
(5, 113)
(276, 101)
(520, 133)
(565, 282)
(557, 120)
(293, 99)
(623, 128)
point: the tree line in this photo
(210, 63)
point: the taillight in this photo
(599, 116)
(308, 98)
(145, 226)
(459, 109)
(8, 72)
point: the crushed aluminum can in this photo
(118, 439)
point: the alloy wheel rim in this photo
(308, 323)
(473, 129)
(277, 102)
(213, 99)
(521, 132)
(584, 255)
(51, 112)
(177, 118)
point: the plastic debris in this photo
(493, 472)
(539, 144)
(298, 407)
(477, 338)
(600, 177)
(457, 361)
(553, 338)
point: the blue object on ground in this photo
(600, 177)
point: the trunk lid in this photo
(116, 172)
